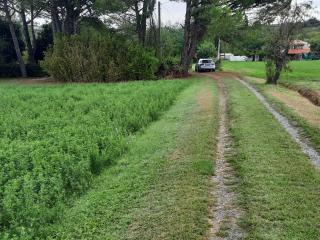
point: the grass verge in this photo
(308, 130)
(160, 189)
(279, 187)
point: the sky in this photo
(174, 12)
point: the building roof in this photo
(299, 51)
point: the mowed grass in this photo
(298, 109)
(303, 73)
(54, 139)
(279, 187)
(160, 188)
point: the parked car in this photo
(205, 65)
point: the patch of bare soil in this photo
(225, 212)
(298, 104)
(31, 81)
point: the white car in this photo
(205, 64)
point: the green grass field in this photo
(54, 139)
(303, 73)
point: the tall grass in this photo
(53, 140)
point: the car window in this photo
(206, 61)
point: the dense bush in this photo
(98, 57)
(167, 67)
(53, 140)
(13, 70)
(206, 50)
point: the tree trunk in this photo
(142, 16)
(143, 25)
(56, 22)
(26, 34)
(141, 21)
(185, 61)
(33, 34)
(274, 71)
(15, 40)
(194, 30)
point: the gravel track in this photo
(225, 213)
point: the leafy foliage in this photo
(7, 53)
(53, 141)
(206, 50)
(43, 41)
(100, 58)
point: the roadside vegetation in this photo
(297, 108)
(55, 139)
(279, 186)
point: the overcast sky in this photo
(173, 12)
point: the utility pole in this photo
(219, 49)
(159, 30)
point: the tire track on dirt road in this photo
(293, 131)
(225, 212)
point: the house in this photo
(232, 58)
(299, 49)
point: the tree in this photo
(8, 14)
(195, 26)
(281, 36)
(44, 40)
(29, 10)
(206, 50)
(138, 11)
(7, 51)
(197, 19)
(65, 15)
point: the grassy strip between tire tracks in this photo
(160, 189)
(279, 187)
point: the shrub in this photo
(98, 58)
(206, 50)
(168, 67)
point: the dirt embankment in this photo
(312, 95)
(300, 105)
